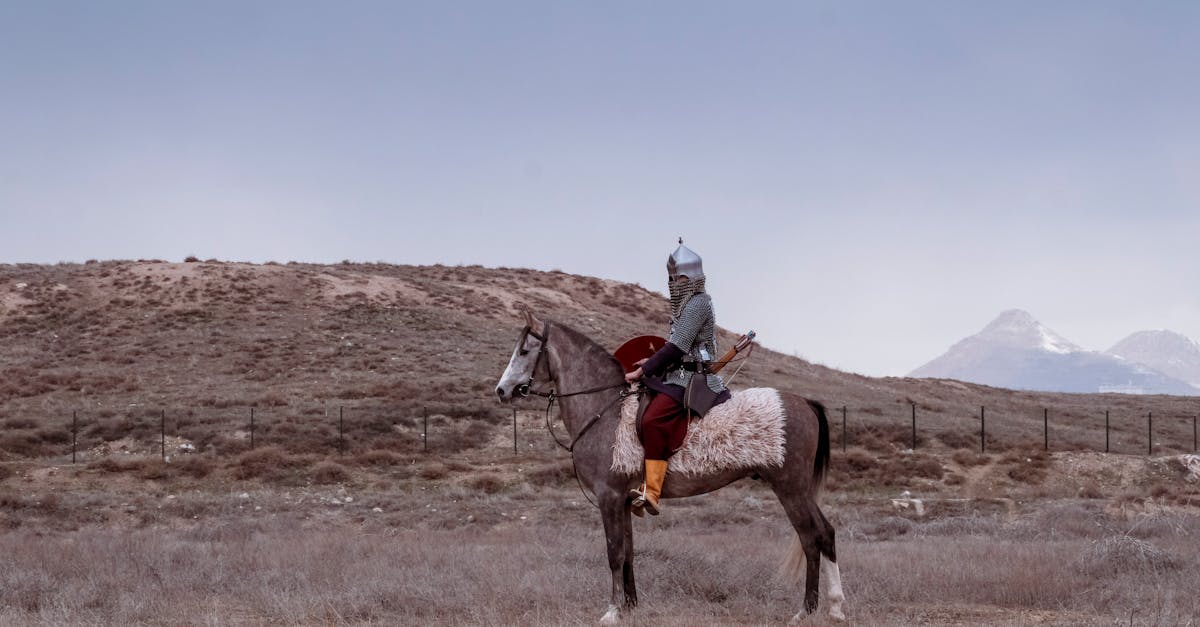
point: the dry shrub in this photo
(377, 458)
(1076, 520)
(885, 437)
(433, 470)
(958, 439)
(887, 528)
(970, 458)
(488, 483)
(923, 466)
(1164, 490)
(156, 470)
(1090, 491)
(855, 460)
(22, 444)
(1028, 468)
(551, 474)
(193, 466)
(115, 465)
(20, 423)
(269, 463)
(51, 435)
(457, 466)
(1121, 553)
(957, 526)
(330, 472)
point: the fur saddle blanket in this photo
(743, 432)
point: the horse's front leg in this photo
(612, 509)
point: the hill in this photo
(125, 344)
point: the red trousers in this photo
(664, 426)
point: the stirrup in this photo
(637, 501)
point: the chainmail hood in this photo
(681, 292)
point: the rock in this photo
(907, 502)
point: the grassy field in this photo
(485, 538)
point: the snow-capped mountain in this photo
(1168, 352)
(1018, 352)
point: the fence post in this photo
(982, 428)
(341, 430)
(514, 430)
(914, 425)
(162, 432)
(251, 427)
(843, 428)
(1150, 433)
(1106, 431)
(74, 432)
(1045, 429)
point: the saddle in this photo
(746, 431)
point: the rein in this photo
(552, 396)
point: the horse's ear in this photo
(528, 315)
(537, 326)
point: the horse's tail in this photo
(821, 460)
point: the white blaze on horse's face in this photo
(520, 367)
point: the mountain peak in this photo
(1018, 328)
(1166, 351)
(1016, 351)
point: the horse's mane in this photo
(587, 343)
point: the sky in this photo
(867, 182)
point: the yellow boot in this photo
(647, 499)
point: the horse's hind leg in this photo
(829, 567)
(816, 539)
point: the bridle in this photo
(525, 389)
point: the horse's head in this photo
(526, 362)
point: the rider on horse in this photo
(677, 375)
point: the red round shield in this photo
(637, 349)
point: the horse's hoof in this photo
(611, 617)
(799, 618)
(836, 614)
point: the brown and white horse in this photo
(587, 381)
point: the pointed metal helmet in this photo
(686, 262)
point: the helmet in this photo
(686, 262)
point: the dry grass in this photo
(536, 557)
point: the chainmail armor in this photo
(693, 331)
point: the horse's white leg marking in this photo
(831, 576)
(612, 616)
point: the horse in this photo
(589, 384)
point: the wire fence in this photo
(342, 429)
(1171, 434)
